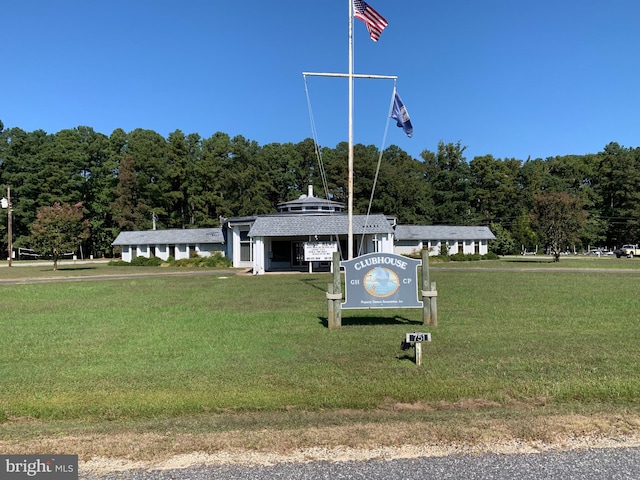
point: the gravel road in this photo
(610, 464)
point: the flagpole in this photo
(350, 181)
(375, 24)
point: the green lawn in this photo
(163, 347)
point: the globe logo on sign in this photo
(381, 282)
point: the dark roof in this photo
(244, 220)
(298, 225)
(442, 232)
(172, 236)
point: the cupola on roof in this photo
(310, 205)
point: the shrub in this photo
(146, 262)
(473, 257)
(461, 257)
(118, 263)
(216, 260)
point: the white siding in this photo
(236, 246)
(182, 251)
(413, 247)
(162, 251)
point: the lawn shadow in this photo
(75, 269)
(312, 282)
(372, 321)
(61, 269)
(407, 356)
(528, 260)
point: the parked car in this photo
(599, 252)
(628, 251)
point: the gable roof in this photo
(171, 236)
(299, 225)
(442, 232)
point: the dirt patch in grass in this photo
(175, 444)
(467, 404)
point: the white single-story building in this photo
(277, 242)
(411, 239)
(282, 241)
(176, 243)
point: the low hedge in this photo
(214, 261)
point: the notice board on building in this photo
(319, 251)
(381, 280)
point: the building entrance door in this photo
(297, 254)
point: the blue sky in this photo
(502, 77)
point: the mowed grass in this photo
(148, 348)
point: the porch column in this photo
(258, 256)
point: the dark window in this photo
(245, 246)
(280, 251)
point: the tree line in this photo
(134, 180)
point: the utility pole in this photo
(6, 203)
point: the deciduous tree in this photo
(58, 230)
(560, 220)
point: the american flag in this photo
(373, 20)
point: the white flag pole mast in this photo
(350, 182)
(350, 76)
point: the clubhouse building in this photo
(301, 237)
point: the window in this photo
(246, 252)
(376, 244)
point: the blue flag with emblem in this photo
(401, 116)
